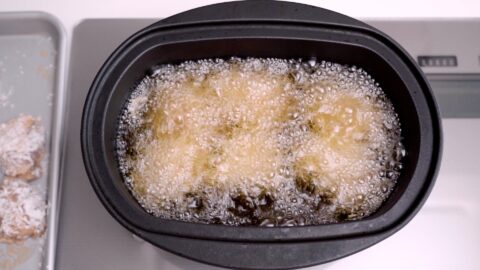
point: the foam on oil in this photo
(267, 142)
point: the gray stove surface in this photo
(89, 238)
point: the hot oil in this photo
(267, 142)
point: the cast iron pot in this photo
(263, 29)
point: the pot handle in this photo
(260, 11)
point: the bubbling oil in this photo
(267, 142)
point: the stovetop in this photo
(444, 235)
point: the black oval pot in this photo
(263, 29)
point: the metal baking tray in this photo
(32, 81)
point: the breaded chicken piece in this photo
(22, 211)
(22, 147)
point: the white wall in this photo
(71, 12)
